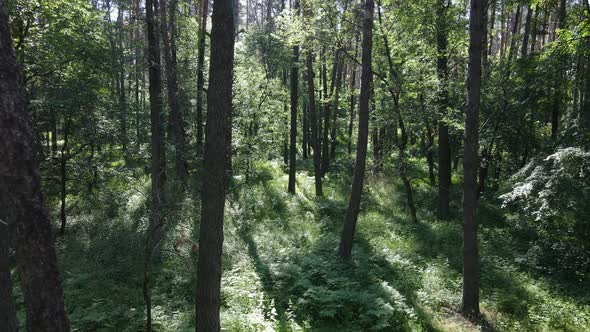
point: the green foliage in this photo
(550, 197)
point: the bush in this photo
(549, 197)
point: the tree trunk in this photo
(345, 248)
(352, 97)
(53, 133)
(491, 33)
(294, 106)
(8, 319)
(444, 148)
(63, 168)
(22, 209)
(535, 29)
(470, 164)
(121, 73)
(175, 120)
(155, 229)
(527, 28)
(336, 105)
(558, 98)
(215, 180)
(201, 75)
(315, 141)
(325, 117)
(305, 130)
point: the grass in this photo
(281, 272)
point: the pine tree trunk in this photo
(444, 148)
(175, 118)
(345, 247)
(63, 181)
(201, 74)
(215, 180)
(336, 106)
(22, 209)
(470, 164)
(121, 73)
(155, 229)
(294, 106)
(315, 140)
(527, 28)
(305, 130)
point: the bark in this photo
(315, 141)
(201, 75)
(155, 229)
(470, 164)
(305, 130)
(345, 247)
(22, 207)
(492, 6)
(527, 28)
(176, 120)
(514, 34)
(336, 108)
(294, 106)
(8, 319)
(121, 73)
(585, 95)
(444, 147)
(558, 97)
(63, 182)
(429, 144)
(215, 180)
(352, 97)
(325, 117)
(535, 29)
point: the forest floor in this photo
(280, 270)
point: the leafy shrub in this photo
(326, 292)
(551, 197)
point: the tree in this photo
(22, 207)
(294, 102)
(158, 176)
(200, 73)
(470, 163)
(219, 108)
(345, 248)
(176, 123)
(444, 149)
(315, 135)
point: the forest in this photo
(300, 165)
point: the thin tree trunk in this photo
(470, 164)
(175, 118)
(352, 97)
(122, 96)
(491, 33)
(558, 98)
(200, 74)
(345, 247)
(294, 106)
(22, 209)
(155, 229)
(325, 117)
(215, 180)
(444, 148)
(305, 130)
(527, 28)
(63, 182)
(336, 107)
(535, 29)
(315, 141)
